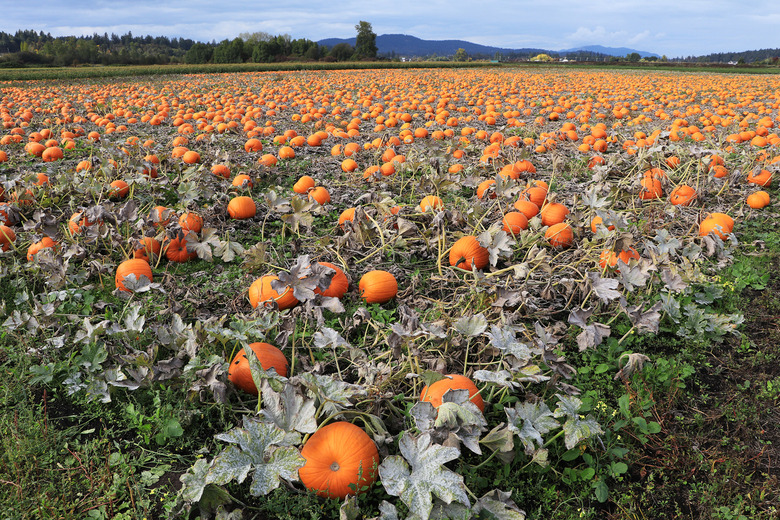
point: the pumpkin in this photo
(483, 187)
(527, 208)
(338, 284)
(160, 216)
(514, 222)
(609, 258)
(243, 181)
(718, 223)
(554, 213)
(434, 393)
(682, 195)
(594, 224)
(7, 236)
(560, 235)
(242, 208)
(136, 266)
(378, 287)
(346, 215)
(761, 177)
(176, 251)
(468, 252)
(190, 157)
(261, 291)
(118, 189)
(220, 170)
(76, 224)
(253, 145)
(431, 203)
(651, 188)
(341, 460)
(191, 222)
(536, 194)
(44, 243)
(758, 200)
(319, 194)
(147, 245)
(303, 185)
(269, 357)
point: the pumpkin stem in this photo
(335, 466)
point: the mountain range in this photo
(404, 45)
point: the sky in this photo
(675, 28)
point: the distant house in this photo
(732, 63)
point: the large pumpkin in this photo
(560, 235)
(436, 391)
(136, 266)
(7, 236)
(553, 213)
(378, 287)
(468, 252)
(261, 292)
(269, 357)
(341, 459)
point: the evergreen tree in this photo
(365, 43)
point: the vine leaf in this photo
(604, 288)
(288, 411)
(529, 421)
(591, 335)
(575, 428)
(498, 505)
(471, 325)
(419, 474)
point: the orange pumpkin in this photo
(554, 213)
(118, 189)
(609, 258)
(44, 243)
(338, 284)
(147, 245)
(346, 215)
(7, 236)
(758, 200)
(560, 235)
(243, 181)
(434, 393)
(319, 194)
(176, 251)
(378, 286)
(269, 357)
(135, 266)
(761, 177)
(527, 208)
(220, 170)
(468, 252)
(431, 203)
(191, 222)
(303, 185)
(261, 291)
(341, 460)
(598, 221)
(651, 188)
(514, 222)
(682, 195)
(242, 208)
(483, 187)
(718, 223)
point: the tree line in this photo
(31, 48)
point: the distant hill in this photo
(411, 46)
(609, 51)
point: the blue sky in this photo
(671, 27)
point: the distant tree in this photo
(542, 57)
(199, 53)
(342, 51)
(365, 43)
(664, 58)
(255, 37)
(460, 55)
(634, 57)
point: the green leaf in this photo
(601, 490)
(529, 421)
(419, 475)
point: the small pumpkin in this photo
(135, 266)
(560, 235)
(341, 460)
(760, 177)
(118, 189)
(758, 200)
(514, 222)
(147, 245)
(468, 252)
(378, 286)
(7, 236)
(651, 188)
(596, 222)
(609, 258)
(269, 357)
(177, 251)
(718, 223)
(44, 243)
(338, 284)
(346, 215)
(243, 181)
(242, 207)
(434, 393)
(483, 188)
(554, 213)
(303, 185)
(191, 222)
(535, 194)
(261, 291)
(682, 195)
(527, 208)
(431, 203)
(161, 216)
(319, 194)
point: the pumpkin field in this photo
(407, 293)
